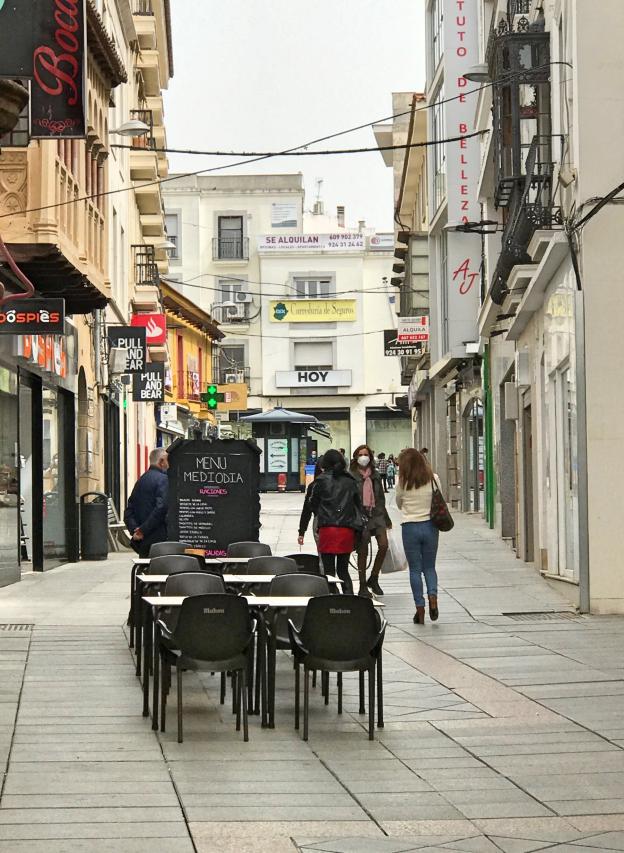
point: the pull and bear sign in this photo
(148, 380)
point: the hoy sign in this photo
(312, 378)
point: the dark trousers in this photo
(338, 564)
(384, 482)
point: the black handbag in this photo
(440, 515)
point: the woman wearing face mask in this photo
(374, 503)
(335, 501)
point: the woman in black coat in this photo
(335, 501)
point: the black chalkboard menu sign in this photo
(214, 493)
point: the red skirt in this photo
(336, 540)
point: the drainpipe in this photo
(581, 409)
(489, 440)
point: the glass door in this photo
(9, 479)
(54, 487)
(27, 467)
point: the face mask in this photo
(363, 461)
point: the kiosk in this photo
(282, 435)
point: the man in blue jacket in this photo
(146, 513)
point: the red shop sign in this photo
(59, 70)
(155, 326)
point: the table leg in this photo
(132, 606)
(156, 657)
(147, 653)
(139, 625)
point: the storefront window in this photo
(54, 520)
(9, 481)
(388, 435)
(560, 394)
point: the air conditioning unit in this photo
(234, 312)
(242, 298)
(234, 377)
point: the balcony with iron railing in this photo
(233, 375)
(145, 268)
(234, 248)
(531, 208)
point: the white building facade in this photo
(303, 301)
(550, 318)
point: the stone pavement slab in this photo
(500, 734)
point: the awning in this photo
(53, 276)
(279, 415)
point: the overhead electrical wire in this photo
(326, 153)
(285, 152)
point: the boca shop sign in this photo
(32, 316)
(58, 92)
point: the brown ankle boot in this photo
(433, 607)
(419, 616)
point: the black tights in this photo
(338, 564)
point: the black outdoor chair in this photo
(308, 563)
(171, 564)
(276, 622)
(249, 549)
(187, 583)
(165, 549)
(158, 549)
(213, 634)
(339, 635)
(270, 566)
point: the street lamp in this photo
(473, 227)
(134, 127)
(478, 74)
(166, 246)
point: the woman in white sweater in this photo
(420, 535)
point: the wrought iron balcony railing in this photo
(145, 268)
(147, 140)
(231, 375)
(530, 210)
(230, 248)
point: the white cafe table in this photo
(228, 579)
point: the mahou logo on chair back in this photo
(59, 67)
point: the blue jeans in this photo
(420, 541)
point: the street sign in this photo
(148, 386)
(393, 347)
(413, 329)
(32, 316)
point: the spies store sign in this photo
(59, 70)
(155, 326)
(28, 316)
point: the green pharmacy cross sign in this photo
(212, 397)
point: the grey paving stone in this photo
(275, 812)
(155, 829)
(359, 844)
(95, 845)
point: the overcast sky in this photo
(252, 75)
